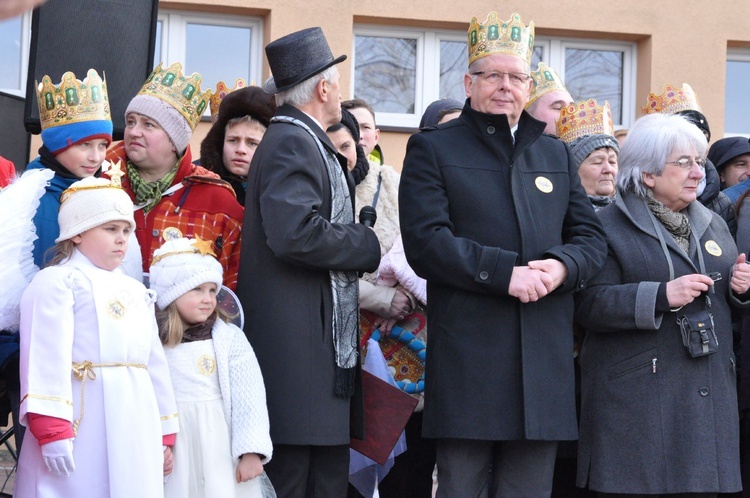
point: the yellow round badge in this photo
(171, 233)
(543, 184)
(206, 365)
(713, 248)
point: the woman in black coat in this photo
(657, 419)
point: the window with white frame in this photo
(219, 47)
(737, 99)
(15, 34)
(400, 71)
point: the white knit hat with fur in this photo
(181, 265)
(91, 202)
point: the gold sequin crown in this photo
(184, 246)
(500, 37)
(222, 91)
(585, 118)
(73, 100)
(181, 92)
(672, 100)
(545, 80)
(93, 183)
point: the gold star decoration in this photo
(116, 173)
(204, 246)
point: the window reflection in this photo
(385, 73)
(157, 44)
(10, 48)
(595, 74)
(737, 101)
(218, 53)
(453, 64)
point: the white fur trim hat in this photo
(181, 265)
(91, 202)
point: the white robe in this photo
(77, 312)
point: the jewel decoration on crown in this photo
(672, 100)
(222, 91)
(501, 37)
(545, 80)
(181, 92)
(73, 100)
(583, 118)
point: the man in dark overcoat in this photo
(298, 284)
(494, 217)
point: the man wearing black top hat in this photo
(298, 283)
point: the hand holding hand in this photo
(740, 282)
(249, 467)
(58, 457)
(557, 271)
(401, 304)
(528, 284)
(685, 289)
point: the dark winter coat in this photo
(289, 246)
(472, 207)
(654, 419)
(715, 200)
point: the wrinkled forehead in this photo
(503, 62)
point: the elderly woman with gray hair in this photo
(659, 411)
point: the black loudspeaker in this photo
(14, 141)
(115, 37)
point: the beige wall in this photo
(677, 42)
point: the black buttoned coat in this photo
(289, 246)
(472, 207)
(655, 420)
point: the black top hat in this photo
(297, 57)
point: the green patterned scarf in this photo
(148, 194)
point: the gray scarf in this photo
(344, 284)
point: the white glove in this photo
(58, 456)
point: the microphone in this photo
(368, 216)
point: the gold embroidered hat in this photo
(218, 95)
(174, 101)
(545, 80)
(91, 202)
(494, 36)
(180, 265)
(73, 111)
(672, 100)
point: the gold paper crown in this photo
(93, 184)
(198, 246)
(181, 92)
(501, 37)
(219, 94)
(545, 80)
(72, 101)
(585, 118)
(672, 100)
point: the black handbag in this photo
(698, 335)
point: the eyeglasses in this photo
(687, 163)
(495, 77)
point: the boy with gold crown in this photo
(76, 131)
(493, 216)
(173, 197)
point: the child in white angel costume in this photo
(224, 437)
(95, 386)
